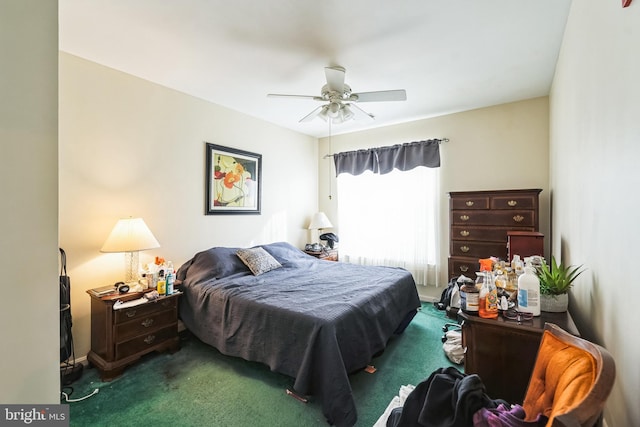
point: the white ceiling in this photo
(450, 56)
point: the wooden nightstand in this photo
(326, 254)
(120, 337)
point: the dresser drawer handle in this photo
(518, 218)
(464, 233)
(464, 248)
(131, 313)
(512, 203)
(149, 339)
(464, 268)
(469, 203)
(147, 322)
(464, 217)
(166, 303)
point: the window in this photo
(392, 220)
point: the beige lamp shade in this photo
(130, 235)
(319, 221)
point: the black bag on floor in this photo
(445, 297)
(65, 309)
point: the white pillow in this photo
(258, 260)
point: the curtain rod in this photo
(440, 141)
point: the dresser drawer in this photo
(478, 249)
(486, 234)
(515, 218)
(514, 202)
(144, 324)
(140, 311)
(145, 341)
(470, 202)
(465, 266)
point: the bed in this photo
(313, 320)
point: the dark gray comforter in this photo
(314, 320)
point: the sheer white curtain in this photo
(392, 220)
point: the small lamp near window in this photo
(130, 235)
(319, 221)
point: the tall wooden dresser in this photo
(479, 222)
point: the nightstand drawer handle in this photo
(464, 217)
(147, 322)
(518, 218)
(464, 268)
(469, 203)
(166, 303)
(150, 339)
(512, 203)
(464, 248)
(464, 233)
(131, 313)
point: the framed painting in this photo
(233, 182)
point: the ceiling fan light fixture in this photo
(334, 109)
(324, 115)
(346, 113)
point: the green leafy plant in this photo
(558, 279)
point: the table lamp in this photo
(319, 221)
(130, 235)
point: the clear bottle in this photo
(169, 278)
(488, 301)
(512, 281)
(529, 291)
(500, 279)
(517, 265)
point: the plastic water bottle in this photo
(170, 278)
(529, 291)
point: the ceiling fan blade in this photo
(359, 113)
(382, 95)
(312, 115)
(279, 95)
(335, 78)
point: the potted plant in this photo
(555, 283)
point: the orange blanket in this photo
(562, 377)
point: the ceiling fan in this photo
(341, 101)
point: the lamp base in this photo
(131, 263)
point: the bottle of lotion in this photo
(529, 291)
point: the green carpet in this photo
(198, 386)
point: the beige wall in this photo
(129, 147)
(501, 147)
(29, 216)
(595, 146)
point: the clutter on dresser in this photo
(498, 286)
(160, 276)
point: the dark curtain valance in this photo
(383, 160)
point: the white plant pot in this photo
(554, 303)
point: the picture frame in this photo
(233, 181)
